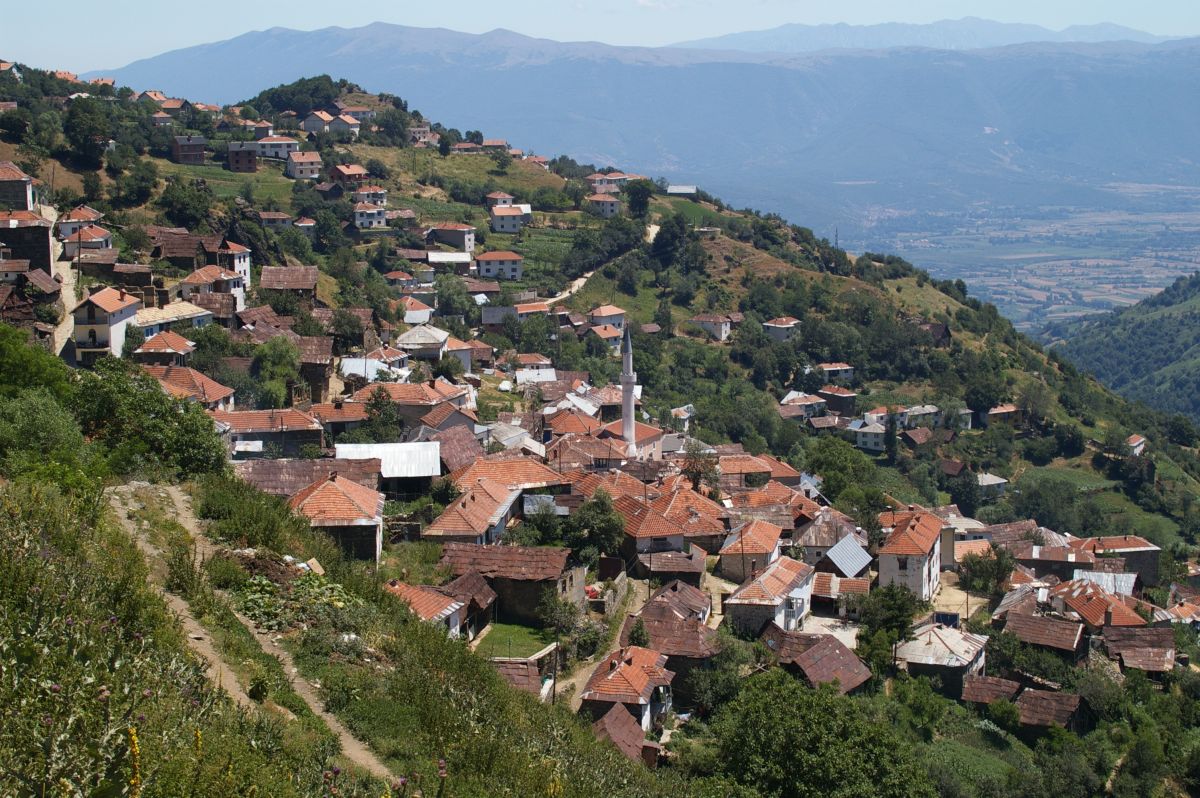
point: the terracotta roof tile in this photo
(427, 603)
(188, 383)
(336, 500)
(774, 583)
(521, 563)
(628, 676)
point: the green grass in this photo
(599, 290)
(1082, 478)
(419, 164)
(415, 562)
(512, 640)
(268, 181)
(1133, 520)
(693, 212)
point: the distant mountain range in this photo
(969, 33)
(1149, 351)
(840, 138)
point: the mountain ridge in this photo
(954, 34)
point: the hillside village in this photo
(620, 442)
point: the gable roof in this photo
(753, 537)
(187, 383)
(673, 631)
(915, 534)
(1044, 708)
(481, 506)
(943, 646)
(336, 500)
(287, 477)
(986, 689)
(166, 342)
(513, 472)
(1039, 630)
(774, 584)
(260, 421)
(823, 659)
(619, 727)
(518, 563)
(849, 556)
(289, 278)
(628, 676)
(427, 603)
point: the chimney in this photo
(1108, 615)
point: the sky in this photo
(69, 34)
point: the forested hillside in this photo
(1149, 352)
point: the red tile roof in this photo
(426, 602)
(110, 300)
(512, 472)
(186, 383)
(167, 342)
(774, 583)
(914, 534)
(336, 500)
(628, 676)
(755, 537)
(252, 421)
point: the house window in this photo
(902, 564)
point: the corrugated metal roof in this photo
(848, 556)
(1122, 584)
(397, 460)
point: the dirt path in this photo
(651, 233)
(197, 638)
(573, 288)
(353, 749)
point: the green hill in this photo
(1149, 352)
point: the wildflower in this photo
(47, 720)
(135, 764)
(56, 688)
(146, 693)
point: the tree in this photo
(444, 146)
(560, 615)
(595, 528)
(134, 338)
(662, 316)
(186, 203)
(449, 366)
(830, 739)
(699, 464)
(24, 366)
(501, 159)
(889, 609)
(347, 329)
(638, 193)
(277, 366)
(964, 492)
(987, 572)
(638, 636)
(86, 128)
(378, 168)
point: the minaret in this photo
(628, 380)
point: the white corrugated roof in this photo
(942, 645)
(1114, 583)
(397, 460)
(848, 556)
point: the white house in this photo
(715, 325)
(920, 416)
(101, 321)
(1134, 445)
(214, 280)
(503, 265)
(76, 219)
(499, 199)
(235, 257)
(303, 165)
(176, 314)
(912, 554)
(605, 206)
(837, 371)
(869, 436)
(316, 122)
(416, 311)
(90, 237)
(782, 328)
(810, 405)
(368, 216)
(277, 147)
(460, 236)
(507, 219)
(991, 486)
(345, 125)
(608, 314)
(376, 195)
(780, 594)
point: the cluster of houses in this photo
(760, 551)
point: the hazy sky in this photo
(79, 36)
